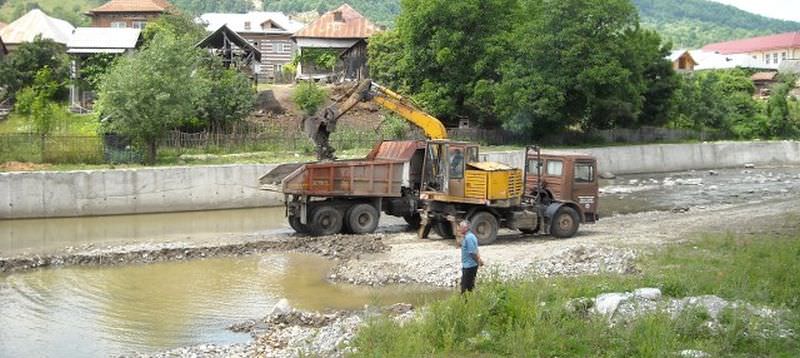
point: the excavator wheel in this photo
(444, 229)
(484, 226)
(298, 227)
(325, 220)
(413, 221)
(362, 219)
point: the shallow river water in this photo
(101, 311)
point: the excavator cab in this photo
(445, 166)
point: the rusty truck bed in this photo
(370, 178)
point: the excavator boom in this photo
(320, 127)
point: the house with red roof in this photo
(128, 13)
(768, 51)
(343, 32)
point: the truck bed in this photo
(349, 178)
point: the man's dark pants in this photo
(468, 278)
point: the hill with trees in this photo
(694, 23)
(687, 23)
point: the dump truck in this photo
(432, 184)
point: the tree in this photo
(780, 123)
(36, 101)
(146, 94)
(227, 96)
(309, 97)
(177, 25)
(576, 63)
(19, 69)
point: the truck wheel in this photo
(325, 220)
(413, 221)
(298, 227)
(444, 230)
(363, 219)
(484, 226)
(565, 223)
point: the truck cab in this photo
(568, 177)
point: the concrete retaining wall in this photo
(133, 191)
(676, 157)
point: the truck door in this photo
(584, 188)
(436, 168)
(457, 159)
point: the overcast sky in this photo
(779, 9)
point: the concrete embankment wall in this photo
(657, 158)
(132, 191)
(149, 190)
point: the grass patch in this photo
(531, 318)
(67, 124)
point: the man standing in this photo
(470, 258)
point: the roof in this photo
(103, 40)
(133, 6)
(489, 166)
(675, 55)
(236, 22)
(763, 76)
(216, 40)
(714, 61)
(349, 25)
(35, 23)
(756, 44)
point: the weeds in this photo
(532, 318)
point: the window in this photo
(456, 163)
(555, 168)
(766, 59)
(783, 56)
(775, 58)
(247, 25)
(119, 24)
(584, 173)
(287, 48)
(532, 166)
(138, 24)
(472, 154)
(278, 69)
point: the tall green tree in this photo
(19, 69)
(227, 96)
(146, 94)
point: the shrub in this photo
(308, 96)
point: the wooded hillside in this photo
(687, 23)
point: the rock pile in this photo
(625, 307)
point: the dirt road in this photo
(609, 246)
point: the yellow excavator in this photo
(320, 127)
(432, 184)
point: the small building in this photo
(682, 61)
(128, 13)
(89, 41)
(763, 81)
(768, 51)
(715, 61)
(269, 32)
(234, 50)
(35, 23)
(343, 31)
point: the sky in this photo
(779, 9)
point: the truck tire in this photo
(565, 223)
(484, 226)
(298, 227)
(362, 219)
(325, 220)
(413, 221)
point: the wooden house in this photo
(763, 81)
(343, 31)
(682, 61)
(269, 32)
(235, 51)
(128, 13)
